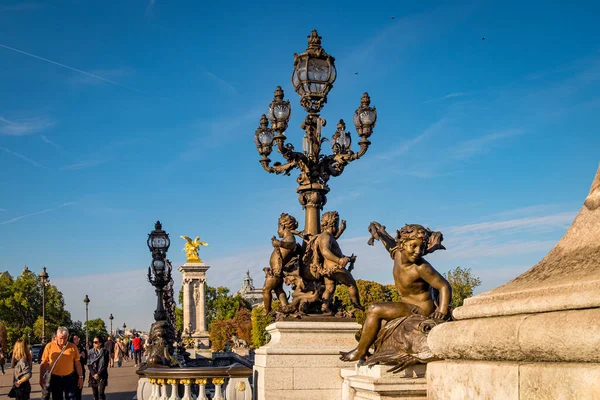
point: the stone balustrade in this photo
(196, 383)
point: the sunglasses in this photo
(95, 341)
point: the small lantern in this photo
(365, 117)
(158, 240)
(341, 140)
(263, 138)
(86, 300)
(279, 111)
(314, 74)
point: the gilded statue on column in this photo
(191, 248)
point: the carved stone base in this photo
(374, 383)
(457, 379)
(302, 360)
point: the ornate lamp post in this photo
(111, 320)
(44, 278)
(162, 333)
(313, 77)
(158, 273)
(87, 328)
(124, 327)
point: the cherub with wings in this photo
(191, 248)
(426, 296)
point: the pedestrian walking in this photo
(82, 359)
(60, 364)
(2, 358)
(119, 352)
(45, 392)
(98, 358)
(110, 346)
(22, 372)
(138, 347)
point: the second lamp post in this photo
(87, 328)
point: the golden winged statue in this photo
(191, 248)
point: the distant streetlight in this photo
(111, 320)
(87, 328)
(44, 277)
(124, 326)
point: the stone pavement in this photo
(122, 383)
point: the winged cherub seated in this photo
(416, 280)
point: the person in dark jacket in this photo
(110, 346)
(97, 364)
(82, 359)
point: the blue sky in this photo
(116, 114)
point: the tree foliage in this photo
(21, 307)
(220, 333)
(3, 336)
(221, 306)
(463, 282)
(96, 327)
(370, 292)
(259, 325)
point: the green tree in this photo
(96, 327)
(463, 282)
(259, 325)
(221, 306)
(179, 312)
(220, 333)
(21, 306)
(3, 336)
(370, 292)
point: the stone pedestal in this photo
(194, 300)
(375, 383)
(536, 337)
(302, 360)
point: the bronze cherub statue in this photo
(426, 296)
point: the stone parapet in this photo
(302, 360)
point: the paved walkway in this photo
(122, 383)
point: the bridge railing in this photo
(196, 383)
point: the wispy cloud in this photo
(447, 97)
(23, 127)
(406, 146)
(221, 82)
(555, 220)
(2, 209)
(150, 7)
(471, 147)
(36, 213)
(88, 74)
(113, 73)
(83, 164)
(21, 156)
(46, 140)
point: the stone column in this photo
(201, 306)
(186, 298)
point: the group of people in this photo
(63, 365)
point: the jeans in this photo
(98, 390)
(138, 356)
(63, 387)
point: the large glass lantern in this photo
(158, 240)
(279, 111)
(365, 117)
(314, 74)
(263, 138)
(341, 140)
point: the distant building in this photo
(249, 293)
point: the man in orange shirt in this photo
(66, 372)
